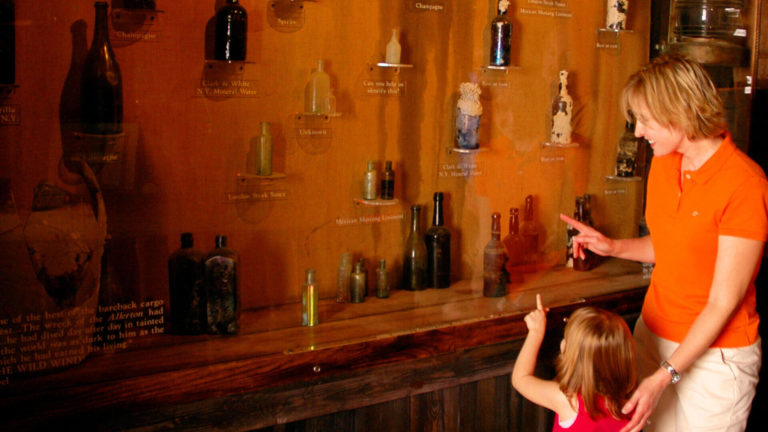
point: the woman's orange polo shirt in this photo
(728, 196)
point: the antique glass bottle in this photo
(514, 246)
(358, 284)
(562, 113)
(586, 263)
(438, 243)
(7, 42)
(530, 232)
(382, 280)
(317, 91)
(102, 86)
(616, 14)
(231, 31)
(309, 300)
(388, 182)
(344, 275)
(494, 275)
(415, 255)
(370, 182)
(626, 153)
(187, 293)
(393, 49)
(501, 36)
(259, 159)
(222, 288)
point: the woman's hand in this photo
(588, 238)
(644, 400)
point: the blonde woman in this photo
(595, 370)
(707, 211)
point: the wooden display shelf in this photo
(274, 355)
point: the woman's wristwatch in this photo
(669, 368)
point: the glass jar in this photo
(708, 18)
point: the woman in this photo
(707, 212)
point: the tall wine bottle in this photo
(530, 233)
(102, 84)
(231, 28)
(187, 292)
(7, 42)
(501, 36)
(514, 246)
(494, 277)
(222, 279)
(415, 256)
(438, 243)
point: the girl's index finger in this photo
(539, 306)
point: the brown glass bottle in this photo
(530, 233)
(102, 86)
(586, 263)
(388, 182)
(222, 268)
(438, 243)
(514, 246)
(494, 275)
(415, 255)
(187, 293)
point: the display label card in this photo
(368, 220)
(460, 169)
(383, 87)
(545, 8)
(228, 88)
(428, 5)
(249, 196)
(10, 114)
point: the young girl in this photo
(595, 370)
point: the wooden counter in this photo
(276, 371)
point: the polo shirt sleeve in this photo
(746, 214)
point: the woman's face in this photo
(662, 139)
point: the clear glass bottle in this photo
(370, 182)
(231, 32)
(382, 280)
(358, 284)
(317, 91)
(309, 300)
(393, 49)
(259, 159)
(415, 255)
(514, 246)
(102, 85)
(530, 232)
(438, 243)
(187, 293)
(344, 275)
(222, 288)
(501, 36)
(626, 153)
(494, 275)
(388, 182)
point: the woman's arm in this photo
(541, 392)
(737, 259)
(634, 249)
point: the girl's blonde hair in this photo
(678, 93)
(598, 359)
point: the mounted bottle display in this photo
(388, 182)
(468, 114)
(415, 255)
(393, 49)
(317, 93)
(7, 42)
(494, 275)
(370, 182)
(222, 288)
(231, 32)
(187, 291)
(438, 243)
(259, 161)
(616, 14)
(358, 284)
(102, 85)
(501, 36)
(562, 113)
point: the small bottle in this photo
(562, 113)
(231, 30)
(393, 49)
(626, 154)
(102, 86)
(358, 284)
(317, 91)
(501, 36)
(370, 182)
(514, 246)
(187, 294)
(438, 242)
(415, 256)
(364, 269)
(530, 233)
(7, 42)
(494, 277)
(388, 182)
(382, 280)
(259, 158)
(309, 300)
(616, 14)
(222, 268)
(586, 263)
(345, 272)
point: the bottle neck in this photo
(100, 33)
(514, 224)
(221, 241)
(437, 218)
(495, 226)
(528, 216)
(415, 219)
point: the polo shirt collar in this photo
(715, 162)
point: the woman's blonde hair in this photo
(598, 359)
(678, 93)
